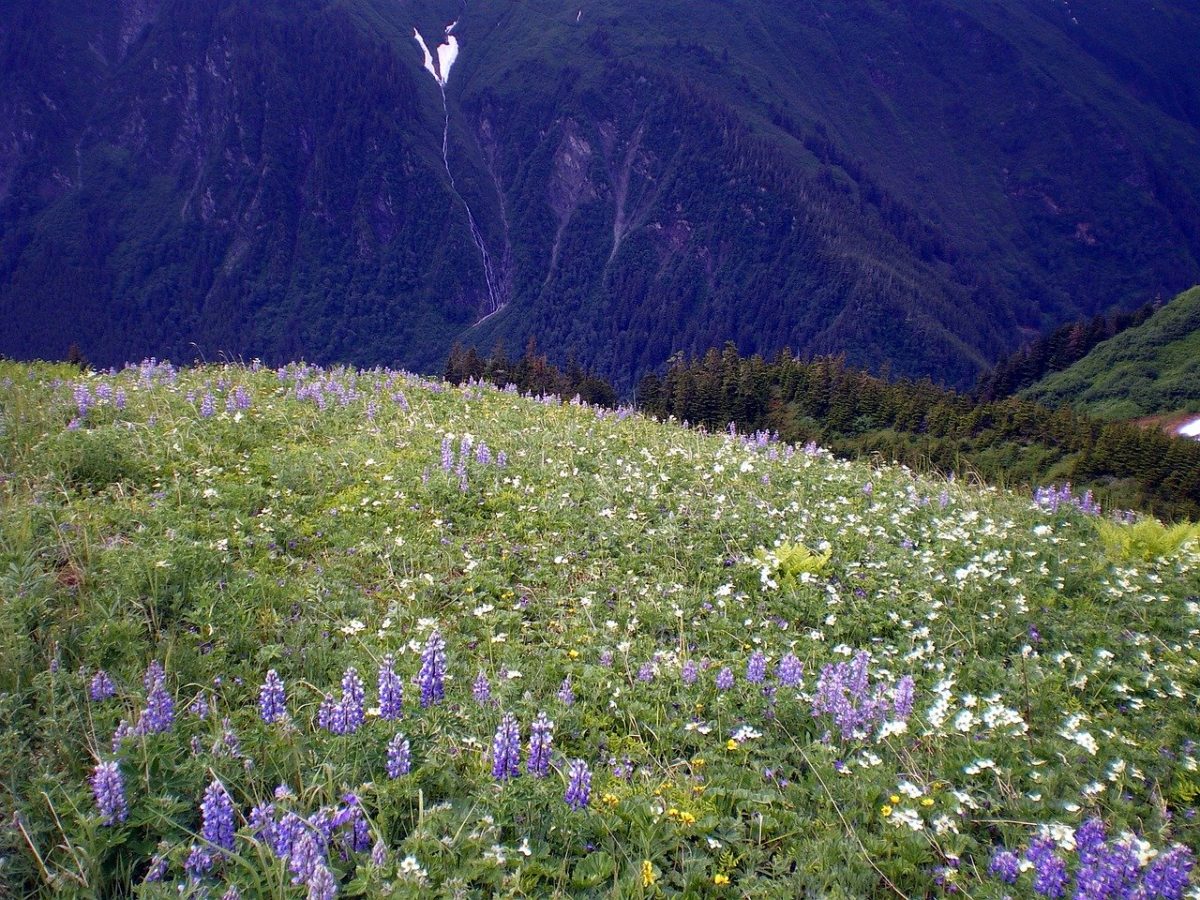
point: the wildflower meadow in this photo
(308, 632)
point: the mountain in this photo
(1150, 369)
(919, 185)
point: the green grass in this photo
(1153, 368)
(316, 530)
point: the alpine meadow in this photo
(306, 632)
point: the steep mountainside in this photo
(1153, 368)
(916, 184)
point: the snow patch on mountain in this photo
(447, 52)
(1190, 429)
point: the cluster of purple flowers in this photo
(481, 690)
(566, 693)
(790, 671)
(1051, 499)
(399, 756)
(756, 667)
(431, 677)
(159, 713)
(344, 716)
(467, 448)
(391, 691)
(506, 749)
(541, 739)
(101, 687)
(304, 843)
(272, 701)
(579, 785)
(1104, 870)
(108, 787)
(845, 692)
(216, 816)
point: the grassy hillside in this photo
(769, 673)
(1153, 368)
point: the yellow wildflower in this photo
(648, 876)
(720, 879)
(885, 811)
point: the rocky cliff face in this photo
(916, 184)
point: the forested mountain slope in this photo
(919, 184)
(1153, 368)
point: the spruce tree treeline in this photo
(532, 373)
(1009, 441)
(1056, 351)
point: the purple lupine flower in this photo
(566, 693)
(154, 676)
(119, 398)
(272, 701)
(305, 856)
(756, 667)
(108, 786)
(232, 893)
(241, 398)
(541, 737)
(1111, 871)
(1005, 866)
(124, 730)
(83, 399)
(229, 743)
(157, 871)
(329, 714)
(725, 679)
(1168, 875)
(198, 862)
(321, 885)
(506, 749)
(482, 689)
(216, 813)
(689, 673)
(391, 691)
(646, 672)
(353, 714)
(447, 454)
(262, 822)
(790, 671)
(501, 460)
(1049, 871)
(579, 785)
(379, 853)
(844, 691)
(101, 687)
(903, 703)
(432, 675)
(483, 455)
(208, 405)
(606, 658)
(1089, 839)
(399, 756)
(286, 834)
(159, 714)
(199, 706)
